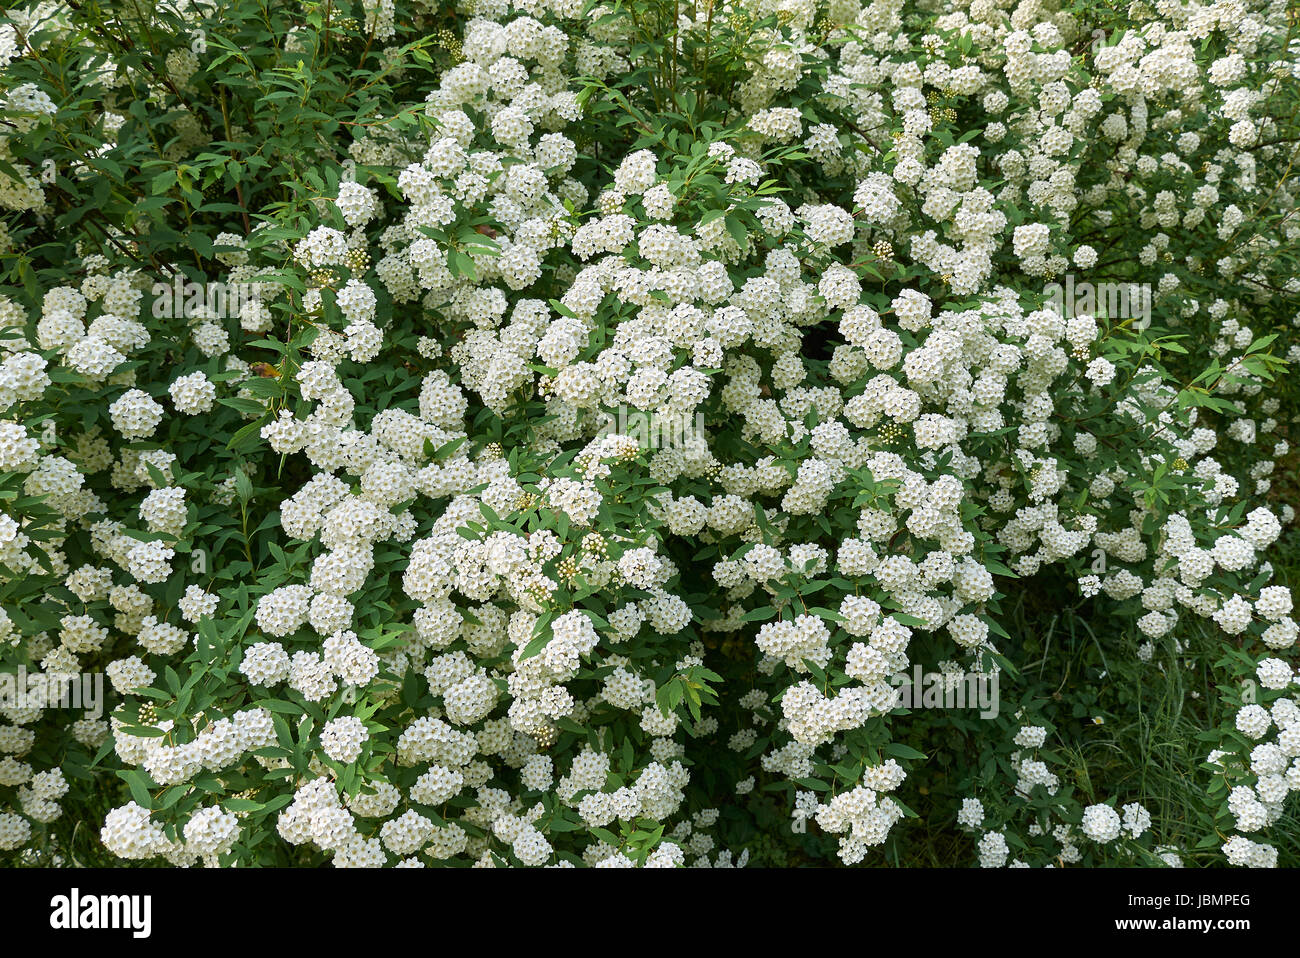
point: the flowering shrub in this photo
(562, 433)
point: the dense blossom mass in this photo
(594, 442)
